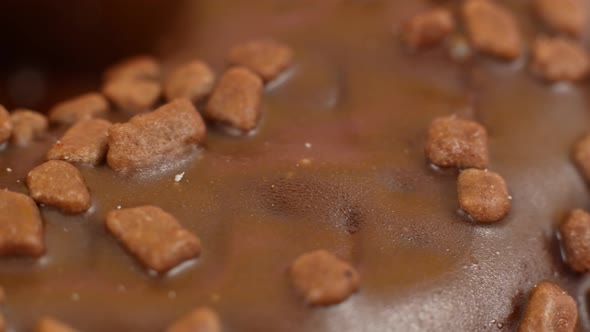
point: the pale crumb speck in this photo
(119, 207)
(9, 170)
(178, 177)
(308, 145)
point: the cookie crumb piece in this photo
(85, 142)
(483, 195)
(568, 16)
(86, 106)
(21, 228)
(48, 324)
(236, 99)
(456, 142)
(267, 58)
(153, 236)
(59, 184)
(549, 308)
(193, 81)
(156, 138)
(559, 59)
(5, 125)
(324, 279)
(139, 67)
(27, 125)
(428, 28)
(132, 95)
(198, 320)
(492, 29)
(575, 237)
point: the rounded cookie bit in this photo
(60, 184)
(483, 195)
(193, 81)
(550, 308)
(143, 67)
(568, 16)
(266, 57)
(575, 239)
(428, 28)
(559, 59)
(49, 324)
(21, 227)
(201, 320)
(132, 95)
(27, 125)
(5, 125)
(456, 142)
(323, 278)
(85, 106)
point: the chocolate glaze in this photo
(363, 103)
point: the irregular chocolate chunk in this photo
(324, 279)
(153, 236)
(575, 236)
(428, 28)
(86, 106)
(132, 95)
(21, 228)
(559, 59)
(144, 67)
(455, 142)
(483, 194)
(156, 138)
(492, 29)
(27, 125)
(236, 99)
(581, 156)
(550, 308)
(198, 320)
(5, 125)
(568, 16)
(84, 142)
(267, 58)
(193, 81)
(60, 184)
(48, 324)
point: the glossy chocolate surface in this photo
(337, 163)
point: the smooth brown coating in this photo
(456, 142)
(49, 324)
(559, 59)
(323, 278)
(85, 142)
(153, 236)
(27, 125)
(86, 106)
(144, 67)
(5, 125)
(581, 156)
(267, 58)
(156, 138)
(198, 320)
(236, 99)
(492, 29)
(575, 237)
(193, 81)
(133, 95)
(483, 194)
(568, 16)
(428, 28)
(21, 227)
(58, 183)
(549, 308)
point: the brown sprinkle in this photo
(21, 228)
(582, 156)
(85, 142)
(568, 16)
(59, 184)
(559, 59)
(198, 320)
(48, 324)
(575, 237)
(483, 195)
(5, 125)
(143, 67)
(133, 95)
(156, 138)
(193, 81)
(27, 125)
(236, 99)
(153, 236)
(324, 279)
(456, 142)
(492, 29)
(550, 308)
(428, 28)
(267, 58)
(86, 106)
